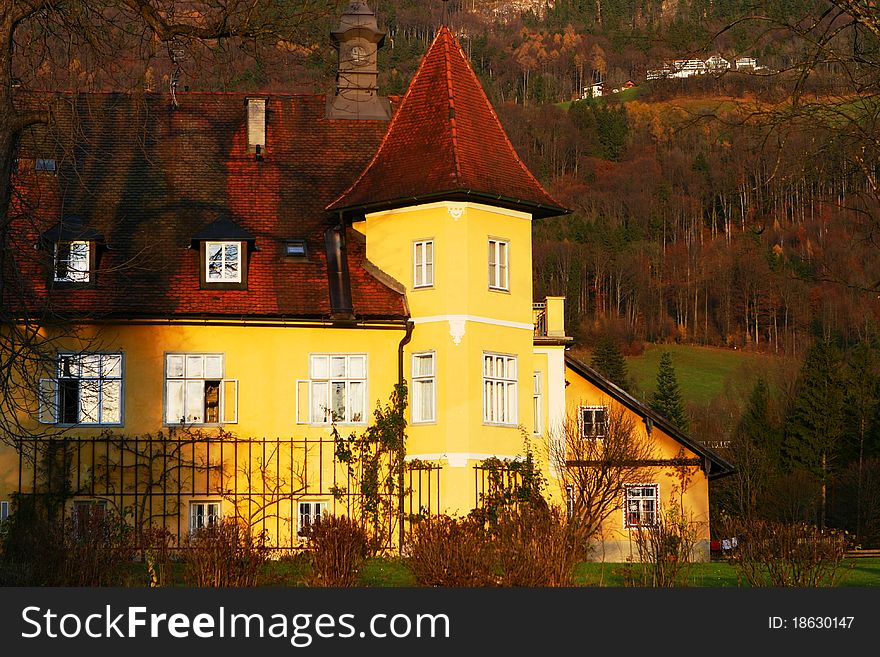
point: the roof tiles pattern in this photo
(445, 139)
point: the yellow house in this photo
(227, 278)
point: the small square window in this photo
(203, 514)
(223, 262)
(72, 262)
(295, 249)
(310, 513)
(45, 165)
(641, 505)
(593, 421)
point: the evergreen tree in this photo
(667, 399)
(608, 361)
(756, 451)
(816, 421)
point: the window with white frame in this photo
(4, 510)
(338, 388)
(423, 387)
(196, 392)
(86, 389)
(223, 262)
(309, 513)
(537, 403)
(498, 264)
(499, 389)
(593, 421)
(423, 263)
(203, 514)
(72, 260)
(641, 505)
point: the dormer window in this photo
(223, 262)
(224, 248)
(75, 251)
(256, 125)
(72, 262)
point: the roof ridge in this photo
(451, 98)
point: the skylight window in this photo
(45, 165)
(295, 249)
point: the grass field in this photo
(702, 372)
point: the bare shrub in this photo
(537, 546)
(89, 549)
(664, 551)
(337, 547)
(447, 551)
(226, 554)
(779, 554)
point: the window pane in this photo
(337, 366)
(423, 399)
(174, 365)
(111, 366)
(89, 399)
(231, 271)
(214, 255)
(214, 367)
(195, 401)
(337, 401)
(320, 409)
(90, 365)
(320, 367)
(357, 367)
(356, 401)
(68, 366)
(111, 402)
(195, 366)
(174, 402)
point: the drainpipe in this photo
(401, 479)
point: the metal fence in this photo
(158, 481)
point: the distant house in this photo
(593, 91)
(717, 64)
(745, 63)
(687, 68)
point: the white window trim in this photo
(218, 516)
(427, 268)
(328, 419)
(626, 523)
(224, 278)
(500, 270)
(73, 275)
(224, 403)
(510, 387)
(321, 506)
(424, 378)
(582, 425)
(51, 412)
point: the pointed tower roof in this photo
(445, 142)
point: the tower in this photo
(357, 40)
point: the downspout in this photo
(401, 454)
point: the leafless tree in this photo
(594, 468)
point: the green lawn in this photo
(702, 372)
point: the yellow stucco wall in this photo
(692, 497)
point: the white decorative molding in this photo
(447, 204)
(456, 329)
(459, 459)
(455, 211)
(473, 318)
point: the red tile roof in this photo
(148, 177)
(445, 142)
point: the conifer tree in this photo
(756, 451)
(608, 361)
(667, 399)
(816, 421)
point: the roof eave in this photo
(538, 210)
(724, 467)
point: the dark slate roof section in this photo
(71, 229)
(445, 142)
(223, 228)
(717, 465)
(149, 177)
